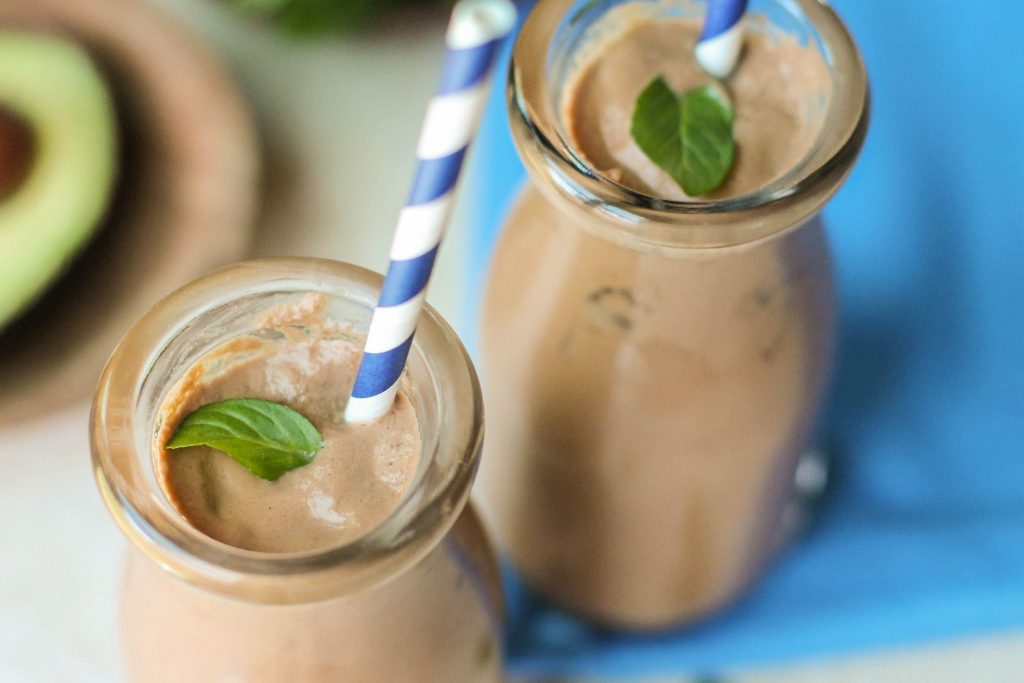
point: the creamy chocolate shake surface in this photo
(297, 357)
(779, 91)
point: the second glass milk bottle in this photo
(653, 369)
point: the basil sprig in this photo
(267, 438)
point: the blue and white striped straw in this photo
(722, 37)
(474, 37)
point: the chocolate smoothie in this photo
(648, 406)
(356, 480)
(779, 93)
(437, 621)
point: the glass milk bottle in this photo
(416, 598)
(653, 368)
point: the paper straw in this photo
(722, 37)
(453, 116)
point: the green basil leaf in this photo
(689, 137)
(267, 438)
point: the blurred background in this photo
(240, 128)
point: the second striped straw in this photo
(474, 37)
(721, 39)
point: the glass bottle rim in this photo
(422, 517)
(799, 192)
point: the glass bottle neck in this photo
(176, 332)
(558, 30)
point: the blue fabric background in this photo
(922, 537)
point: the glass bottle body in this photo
(648, 412)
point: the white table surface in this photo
(340, 158)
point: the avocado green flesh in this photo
(50, 84)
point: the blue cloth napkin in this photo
(922, 535)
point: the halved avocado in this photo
(58, 107)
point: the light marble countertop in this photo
(339, 161)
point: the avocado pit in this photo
(17, 150)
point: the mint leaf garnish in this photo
(689, 137)
(267, 438)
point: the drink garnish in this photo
(689, 136)
(267, 438)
